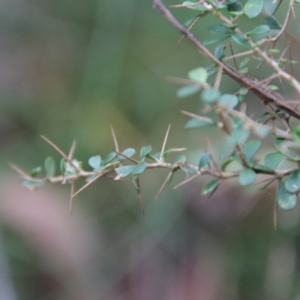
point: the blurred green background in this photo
(69, 69)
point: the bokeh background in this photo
(69, 69)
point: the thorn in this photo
(129, 158)
(72, 150)
(114, 138)
(19, 171)
(71, 206)
(164, 143)
(163, 185)
(86, 185)
(60, 152)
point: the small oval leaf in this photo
(210, 187)
(247, 177)
(124, 170)
(50, 166)
(253, 8)
(285, 200)
(139, 168)
(272, 160)
(95, 162)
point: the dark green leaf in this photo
(253, 8)
(210, 95)
(240, 40)
(204, 160)
(187, 91)
(34, 172)
(262, 29)
(272, 22)
(285, 200)
(211, 41)
(135, 182)
(210, 187)
(95, 162)
(219, 51)
(145, 151)
(296, 134)
(139, 168)
(219, 29)
(50, 166)
(250, 148)
(230, 101)
(226, 163)
(272, 160)
(247, 177)
(124, 170)
(235, 7)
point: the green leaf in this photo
(145, 151)
(211, 41)
(219, 29)
(198, 7)
(262, 29)
(187, 91)
(50, 166)
(292, 182)
(235, 7)
(204, 160)
(210, 95)
(180, 159)
(210, 187)
(34, 172)
(189, 170)
(95, 162)
(240, 40)
(127, 152)
(69, 170)
(288, 148)
(272, 22)
(247, 177)
(285, 200)
(199, 75)
(110, 157)
(250, 148)
(230, 101)
(219, 51)
(253, 8)
(124, 171)
(238, 136)
(271, 6)
(296, 134)
(139, 168)
(226, 163)
(135, 182)
(262, 130)
(196, 123)
(244, 62)
(32, 183)
(272, 160)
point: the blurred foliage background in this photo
(69, 69)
